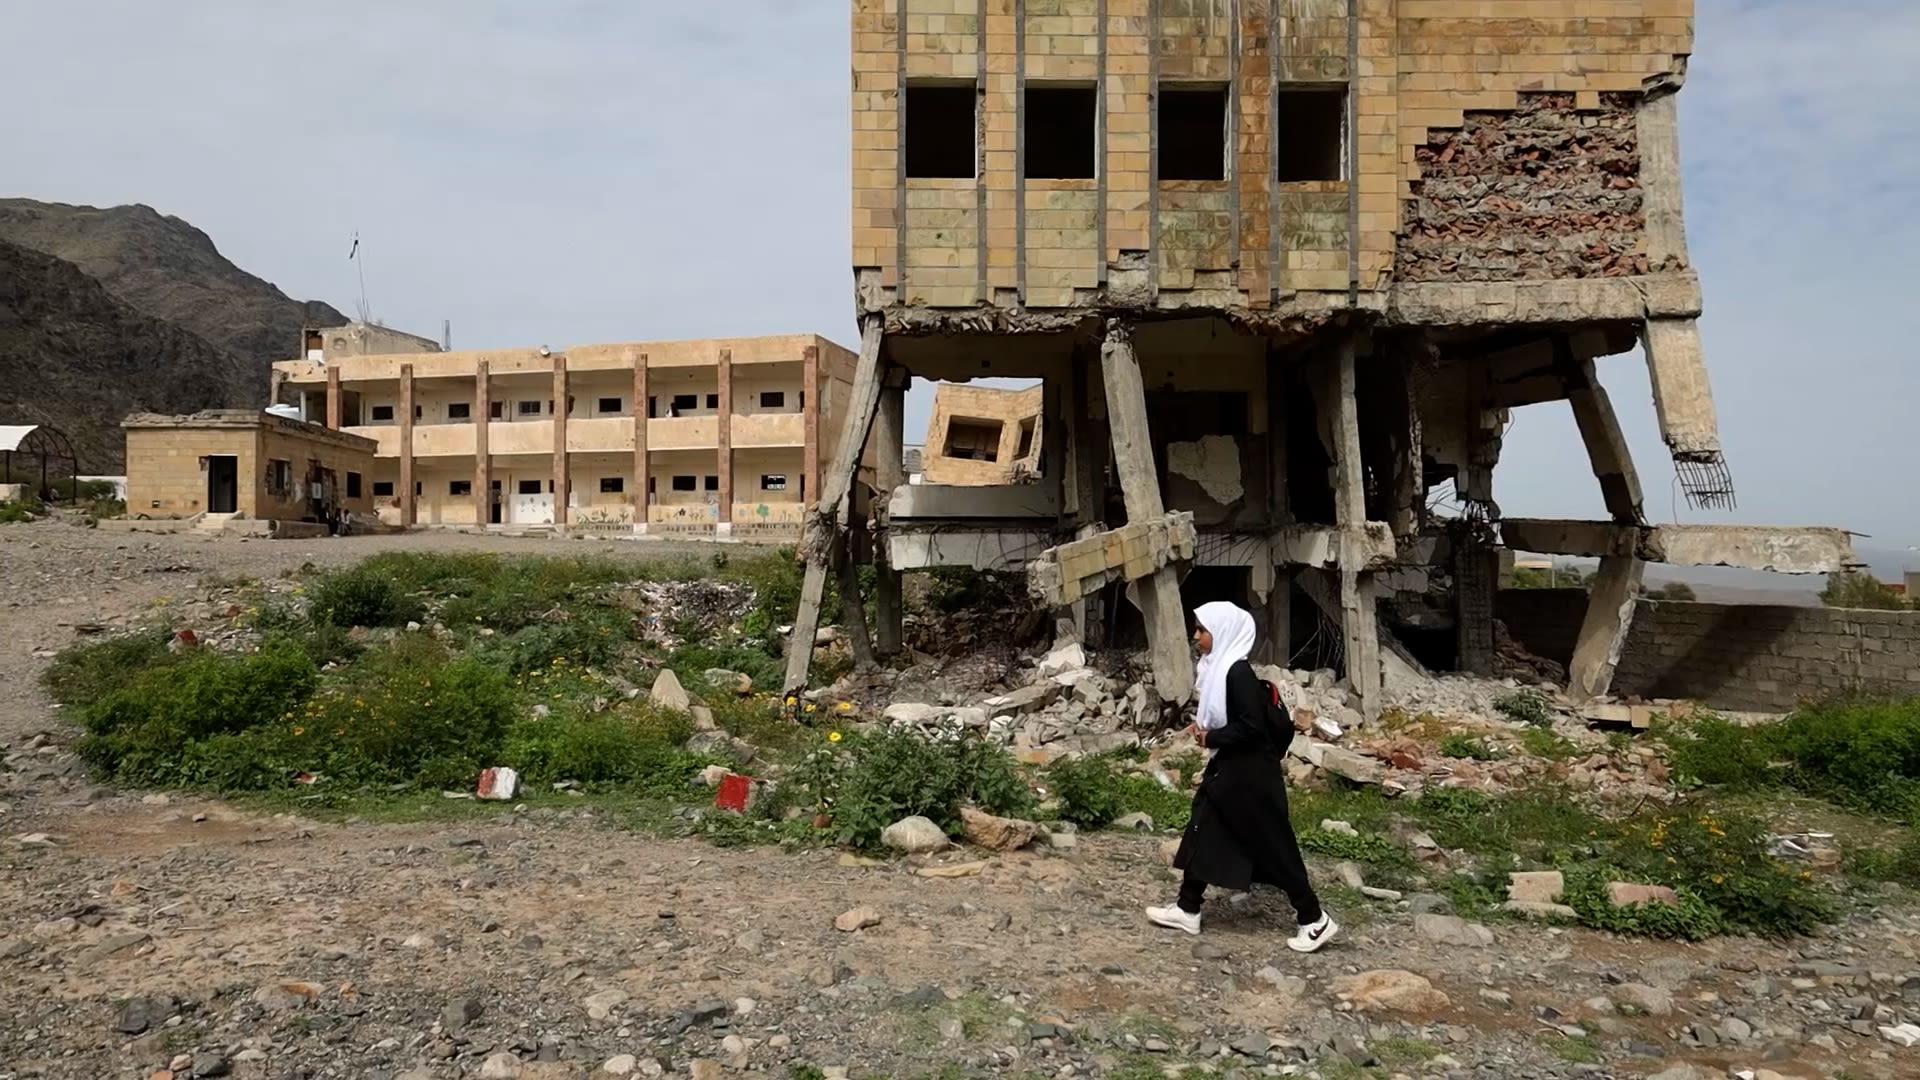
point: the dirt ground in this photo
(142, 931)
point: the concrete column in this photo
(334, 400)
(482, 458)
(1133, 459)
(1275, 644)
(641, 468)
(836, 492)
(1603, 633)
(1359, 619)
(562, 476)
(889, 436)
(406, 446)
(1600, 430)
(810, 425)
(725, 452)
(1476, 586)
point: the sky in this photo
(573, 171)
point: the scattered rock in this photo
(997, 833)
(1280, 982)
(1138, 821)
(460, 1012)
(1389, 990)
(1535, 910)
(1452, 930)
(620, 1065)
(915, 836)
(282, 996)
(600, 1005)
(857, 919)
(952, 870)
(501, 1066)
(668, 693)
(1643, 1000)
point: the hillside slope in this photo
(164, 267)
(76, 357)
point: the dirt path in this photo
(255, 945)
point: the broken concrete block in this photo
(1536, 886)
(997, 833)
(1452, 930)
(1538, 910)
(1350, 766)
(1027, 699)
(1065, 658)
(912, 712)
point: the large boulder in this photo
(668, 693)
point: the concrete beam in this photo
(1777, 548)
(1582, 300)
(889, 473)
(1359, 617)
(1600, 430)
(1781, 549)
(980, 549)
(1066, 574)
(915, 502)
(1319, 545)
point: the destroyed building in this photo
(1286, 267)
(982, 435)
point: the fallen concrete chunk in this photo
(1452, 930)
(1628, 894)
(1063, 659)
(1538, 910)
(1536, 886)
(1351, 766)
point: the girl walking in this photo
(1240, 832)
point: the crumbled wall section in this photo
(1753, 657)
(1547, 190)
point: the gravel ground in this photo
(153, 936)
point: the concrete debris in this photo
(668, 693)
(997, 833)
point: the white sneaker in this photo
(1173, 918)
(1311, 936)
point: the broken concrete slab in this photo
(1779, 549)
(1062, 575)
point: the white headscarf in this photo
(1232, 631)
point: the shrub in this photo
(1088, 789)
(1715, 751)
(1722, 858)
(19, 511)
(692, 660)
(589, 636)
(1859, 589)
(406, 715)
(143, 732)
(1860, 753)
(635, 746)
(86, 673)
(1693, 919)
(1355, 847)
(867, 782)
(1898, 865)
(1529, 707)
(1544, 742)
(363, 596)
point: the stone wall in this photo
(1761, 658)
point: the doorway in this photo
(223, 484)
(493, 502)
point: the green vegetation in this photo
(1095, 790)
(1469, 746)
(1861, 754)
(863, 783)
(16, 511)
(1529, 707)
(1860, 589)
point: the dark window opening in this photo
(713, 401)
(1312, 125)
(459, 487)
(1026, 439)
(653, 485)
(610, 404)
(686, 483)
(973, 440)
(1193, 132)
(653, 407)
(459, 410)
(416, 412)
(527, 408)
(279, 477)
(612, 485)
(1062, 132)
(383, 489)
(381, 413)
(685, 402)
(353, 485)
(419, 488)
(773, 482)
(496, 409)
(528, 487)
(569, 404)
(773, 399)
(941, 132)
(713, 483)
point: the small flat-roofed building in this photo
(243, 463)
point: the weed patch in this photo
(1469, 746)
(83, 675)
(1095, 790)
(866, 782)
(1860, 754)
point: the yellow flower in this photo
(1719, 878)
(833, 736)
(299, 731)
(845, 706)
(811, 707)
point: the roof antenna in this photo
(360, 264)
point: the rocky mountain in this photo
(168, 269)
(77, 357)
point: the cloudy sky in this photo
(571, 171)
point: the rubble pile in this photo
(1543, 191)
(667, 608)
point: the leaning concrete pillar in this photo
(889, 473)
(1358, 615)
(1603, 634)
(1600, 430)
(1159, 592)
